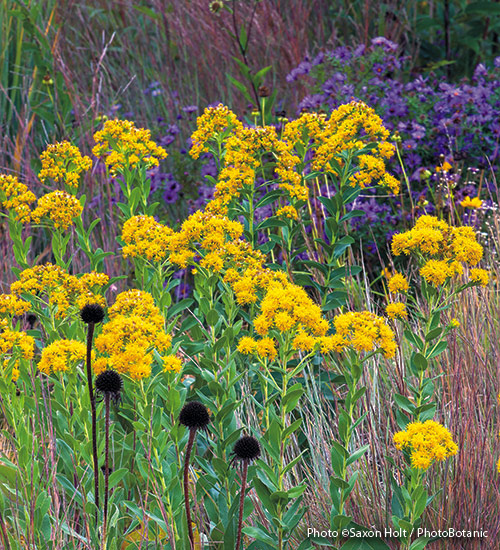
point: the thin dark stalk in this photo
(189, 448)
(242, 503)
(106, 464)
(90, 335)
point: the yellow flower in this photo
(427, 442)
(15, 196)
(435, 272)
(398, 283)
(172, 363)
(455, 323)
(396, 310)
(247, 345)
(266, 348)
(481, 276)
(63, 162)
(60, 355)
(473, 203)
(12, 305)
(446, 167)
(287, 212)
(59, 207)
(364, 331)
(123, 146)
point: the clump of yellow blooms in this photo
(473, 203)
(12, 305)
(398, 283)
(351, 127)
(14, 345)
(213, 121)
(145, 237)
(427, 442)
(123, 146)
(59, 207)
(396, 310)
(63, 162)
(343, 132)
(481, 276)
(443, 247)
(172, 363)
(61, 355)
(135, 328)
(364, 331)
(15, 196)
(287, 212)
(52, 285)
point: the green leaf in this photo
(420, 543)
(356, 455)
(420, 362)
(259, 534)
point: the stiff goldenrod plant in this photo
(423, 444)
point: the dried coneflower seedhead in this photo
(109, 383)
(194, 415)
(246, 449)
(92, 313)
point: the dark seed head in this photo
(247, 449)
(109, 383)
(92, 313)
(194, 415)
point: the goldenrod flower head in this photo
(145, 237)
(15, 196)
(455, 323)
(266, 348)
(438, 241)
(14, 343)
(61, 355)
(481, 276)
(125, 147)
(364, 331)
(53, 284)
(63, 162)
(136, 327)
(398, 283)
(59, 207)
(12, 305)
(172, 363)
(212, 122)
(247, 345)
(427, 442)
(287, 212)
(397, 310)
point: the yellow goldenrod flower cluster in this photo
(244, 147)
(213, 121)
(61, 355)
(473, 203)
(59, 207)
(52, 285)
(427, 442)
(12, 305)
(343, 132)
(14, 345)
(481, 276)
(287, 212)
(145, 237)
(124, 146)
(445, 248)
(135, 328)
(398, 283)
(446, 167)
(15, 196)
(364, 331)
(63, 162)
(396, 310)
